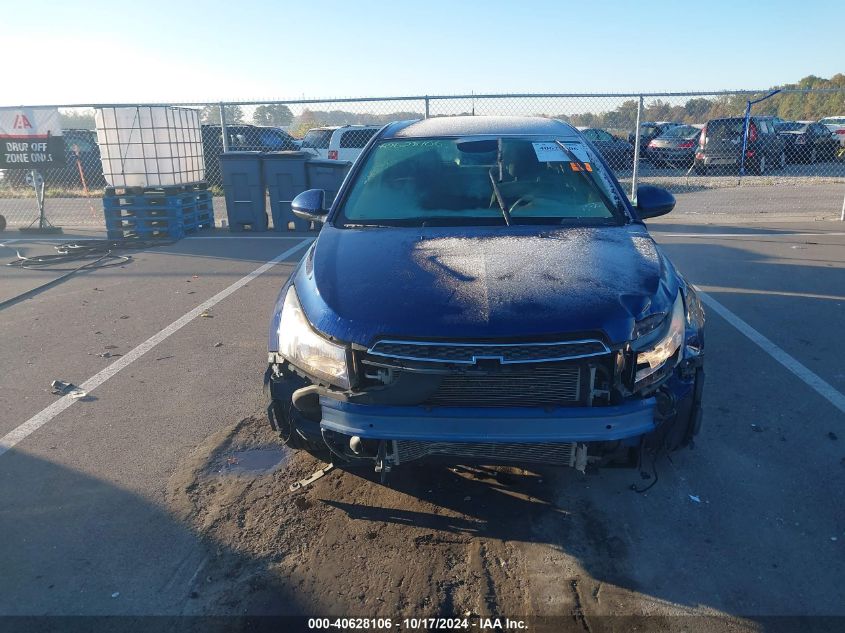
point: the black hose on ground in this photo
(93, 253)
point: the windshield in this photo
(681, 131)
(447, 181)
(725, 129)
(790, 126)
(276, 139)
(317, 139)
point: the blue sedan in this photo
(483, 291)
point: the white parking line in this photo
(823, 388)
(758, 234)
(14, 436)
(66, 238)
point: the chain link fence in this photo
(788, 155)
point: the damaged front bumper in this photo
(514, 403)
(388, 434)
(477, 425)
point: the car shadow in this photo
(76, 545)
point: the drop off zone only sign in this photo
(31, 138)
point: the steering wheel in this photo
(524, 200)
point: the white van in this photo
(342, 142)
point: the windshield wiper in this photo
(499, 199)
(582, 169)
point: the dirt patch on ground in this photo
(345, 545)
(475, 541)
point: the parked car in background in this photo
(650, 130)
(675, 147)
(617, 152)
(82, 154)
(835, 124)
(807, 142)
(720, 145)
(241, 138)
(344, 142)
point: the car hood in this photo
(359, 285)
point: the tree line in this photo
(787, 105)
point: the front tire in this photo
(281, 421)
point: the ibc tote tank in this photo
(150, 146)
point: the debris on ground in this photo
(124, 316)
(302, 483)
(757, 428)
(218, 344)
(63, 388)
(833, 436)
(115, 594)
(207, 315)
(695, 498)
(108, 355)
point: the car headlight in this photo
(305, 348)
(652, 358)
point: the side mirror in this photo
(309, 205)
(653, 201)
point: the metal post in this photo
(842, 217)
(426, 107)
(636, 175)
(223, 127)
(748, 105)
(744, 138)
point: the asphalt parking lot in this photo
(128, 502)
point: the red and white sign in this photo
(31, 138)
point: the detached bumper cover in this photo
(511, 425)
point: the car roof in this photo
(479, 126)
(334, 128)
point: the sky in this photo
(93, 51)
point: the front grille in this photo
(554, 454)
(535, 386)
(505, 353)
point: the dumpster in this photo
(284, 176)
(326, 175)
(243, 185)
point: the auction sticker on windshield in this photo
(551, 152)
